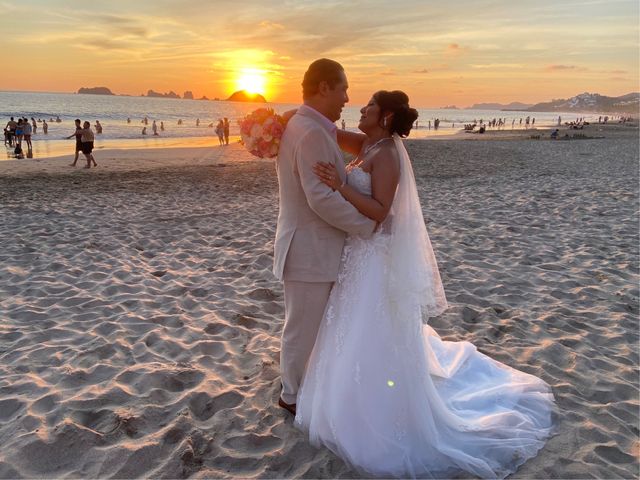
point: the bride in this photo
(381, 389)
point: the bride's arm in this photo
(351, 142)
(384, 181)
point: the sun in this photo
(253, 81)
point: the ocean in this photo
(113, 111)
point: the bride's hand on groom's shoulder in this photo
(328, 174)
(288, 114)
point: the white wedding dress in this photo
(387, 395)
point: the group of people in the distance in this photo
(154, 126)
(222, 128)
(16, 132)
(84, 142)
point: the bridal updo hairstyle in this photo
(322, 70)
(397, 103)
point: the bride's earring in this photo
(384, 122)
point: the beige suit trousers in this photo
(304, 305)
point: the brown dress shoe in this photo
(291, 408)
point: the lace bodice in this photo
(359, 179)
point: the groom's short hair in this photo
(322, 70)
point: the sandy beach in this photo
(140, 319)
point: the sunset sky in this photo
(441, 53)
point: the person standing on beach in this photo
(86, 143)
(45, 127)
(19, 132)
(381, 389)
(26, 131)
(226, 131)
(11, 131)
(154, 127)
(34, 125)
(220, 132)
(313, 219)
(78, 135)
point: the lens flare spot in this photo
(390, 383)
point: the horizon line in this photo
(296, 103)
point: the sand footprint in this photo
(203, 406)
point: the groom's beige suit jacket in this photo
(313, 219)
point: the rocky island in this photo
(244, 96)
(95, 91)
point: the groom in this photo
(313, 219)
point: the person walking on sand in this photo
(86, 141)
(78, 135)
(226, 131)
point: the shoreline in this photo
(45, 149)
(200, 151)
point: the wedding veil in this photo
(413, 277)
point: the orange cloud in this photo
(456, 49)
(559, 68)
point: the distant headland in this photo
(585, 102)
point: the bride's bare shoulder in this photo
(386, 156)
